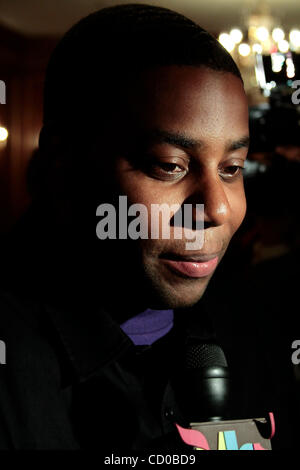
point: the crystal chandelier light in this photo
(263, 35)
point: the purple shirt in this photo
(148, 326)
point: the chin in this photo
(185, 295)
(175, 302)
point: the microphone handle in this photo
(207, 394)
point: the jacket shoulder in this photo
(24, 344)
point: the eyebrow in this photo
(244, 142)
(172, 138)
(181, 140)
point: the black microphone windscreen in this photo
(201, 355)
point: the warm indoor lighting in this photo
(270, 85)
(226, 42)
(295, 37)
(277, 34)
(277, 61)
(290, 73)
(236, 35)
(257, 48)
(283, 46)
(262, 33)
(3, 134)
(263, 36)
(290, 67)
(244, 49)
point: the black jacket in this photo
(74, 380)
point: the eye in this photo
(166, 171)
(231, 171)
(170, 167)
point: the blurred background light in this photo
(236, 35)
(244, 49)
(257, 48)
(227, 42)
(295, 37)
(283, 45)
(262, 33)
(3, 134)
(278, 34)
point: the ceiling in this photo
(54, 17)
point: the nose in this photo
(209, 190)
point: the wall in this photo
(23, 62)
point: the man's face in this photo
(183, 138)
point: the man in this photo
(139, 102)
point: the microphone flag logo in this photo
(223, 435)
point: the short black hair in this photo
(106, 48)
(87, 76)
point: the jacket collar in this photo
(89, 336)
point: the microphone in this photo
(205, 395)
(206, 378)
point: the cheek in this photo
(159, 204)
(143, 190)
(133, 184)
(238, 209)
(139, 191)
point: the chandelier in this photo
(262, 35)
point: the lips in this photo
(194, 266)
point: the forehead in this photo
(197, 100)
